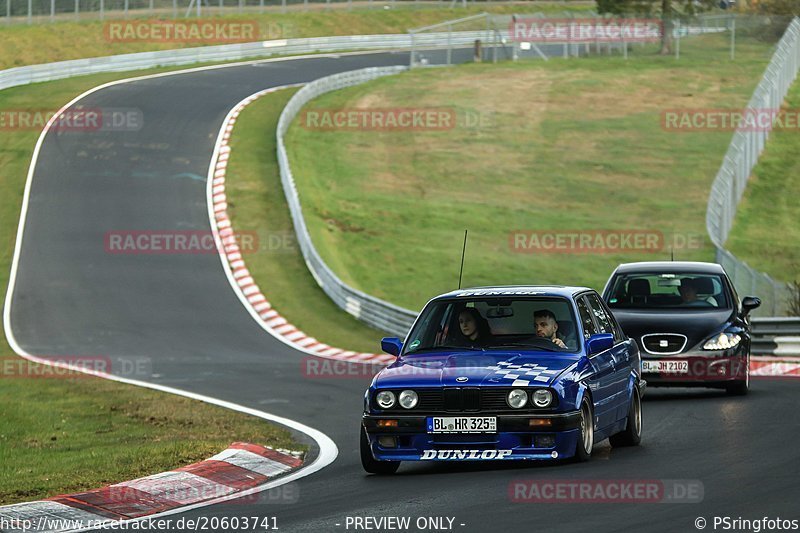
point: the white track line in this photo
(327, 448)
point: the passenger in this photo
(473, 327)
(547, 327)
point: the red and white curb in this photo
(233, 261)
(774, 367)
(239, 470)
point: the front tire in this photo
(372, 465)
(741, 388)
(583, 449)
(632, 434)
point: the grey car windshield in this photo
(668, 290)
(495, 323)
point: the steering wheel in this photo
(544, 342)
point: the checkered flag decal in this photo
(523, 374)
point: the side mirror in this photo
(391, 345)
(749, 303)
(599, 342)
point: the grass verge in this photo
(767, 226)
(42, 43)
(256, 204)
(66, 435)
(560, 146)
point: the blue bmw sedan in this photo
(504, 373)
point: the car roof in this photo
(671, 266)
(516, 290)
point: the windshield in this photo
(499, 323)
(665, 290)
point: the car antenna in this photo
(672, 245)
(463, 251)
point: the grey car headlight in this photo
(542, 398)
(517, 398)
(723, 341)
(408, 399)
(385, 399)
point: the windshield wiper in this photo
(445, 347)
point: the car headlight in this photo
(517, 398)
(542, 398)
(408, 399)
(385, 399)
(723, 341)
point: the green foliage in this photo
(779, 7)
(652, 8)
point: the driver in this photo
(547, 327)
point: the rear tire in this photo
(632, 434)
(583, 449)
(372, 465)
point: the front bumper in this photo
(515, 439)
(706, 369)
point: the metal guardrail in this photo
(775, 336)
(741, 157)
(184, 56)
(230, 52)
(374, 311)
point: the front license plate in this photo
(462, 424)
(665, 367)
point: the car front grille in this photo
(468, 399)
(664, 343)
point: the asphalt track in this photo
(178, 314)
